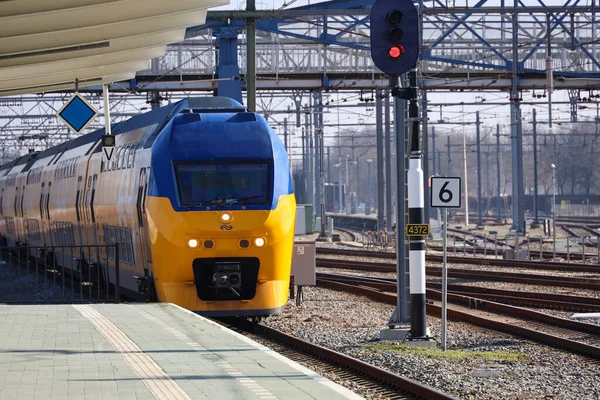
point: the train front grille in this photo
(226, 278)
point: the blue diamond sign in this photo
(77, 113)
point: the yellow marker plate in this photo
(417, 229)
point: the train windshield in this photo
(223, 184)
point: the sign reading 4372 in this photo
(445, 192)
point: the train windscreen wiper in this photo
(194, 205)
(220, 202)
(245, 198)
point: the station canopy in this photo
(46, 45)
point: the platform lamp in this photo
(553, 211)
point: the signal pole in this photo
(395, 49)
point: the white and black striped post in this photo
(416, 215)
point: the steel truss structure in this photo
(490, 45)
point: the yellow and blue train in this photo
(198, 194)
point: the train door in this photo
(43, 230)
(79, 210)
(147, 284)
(46, 215)
(142, 222)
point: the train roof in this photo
(160, 116)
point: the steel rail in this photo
(536, 265)
(390, 384)
(533, 299)
(476, 317)
(470, 274)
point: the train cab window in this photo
(211, 184)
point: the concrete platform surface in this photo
(141, 351)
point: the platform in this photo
(141, 351)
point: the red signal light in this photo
(396, 51)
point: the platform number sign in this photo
(445, 192)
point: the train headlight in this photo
(259, 242)
(225, 218)
(193, 243)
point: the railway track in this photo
(470, 274)
(379, 382)
(558, 332)
(520, 298)
(538, 265)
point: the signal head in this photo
(394, 17)
(396, 51)
(108, 141)
(395, 26)
(395, 34)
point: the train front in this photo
(221, 212)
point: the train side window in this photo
(2, 201)
(41, 201)
(130, 155)
(113, 162)
(93, 196)
(118, 158)
(126, 156)
(77, 201)
(48, 200)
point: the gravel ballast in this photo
(515, 368)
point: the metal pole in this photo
(426, 156)
(340, 190)
(329, 175)
(310, 160)
(106, 110)
(536, 222)
(466, 179)
(380, 179)
(318, 153)
(322, 194)
(488, 191)
(416, 215)
(554, 213)
(549, 73)
(479, 208)
(251, 58)
(434, 170)
(388, 164)
(498, 202)
(449, 157)
(400, 315)
(304, 165)
(285, 134)
(444, 279)
(516, 134)
(348, 209)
